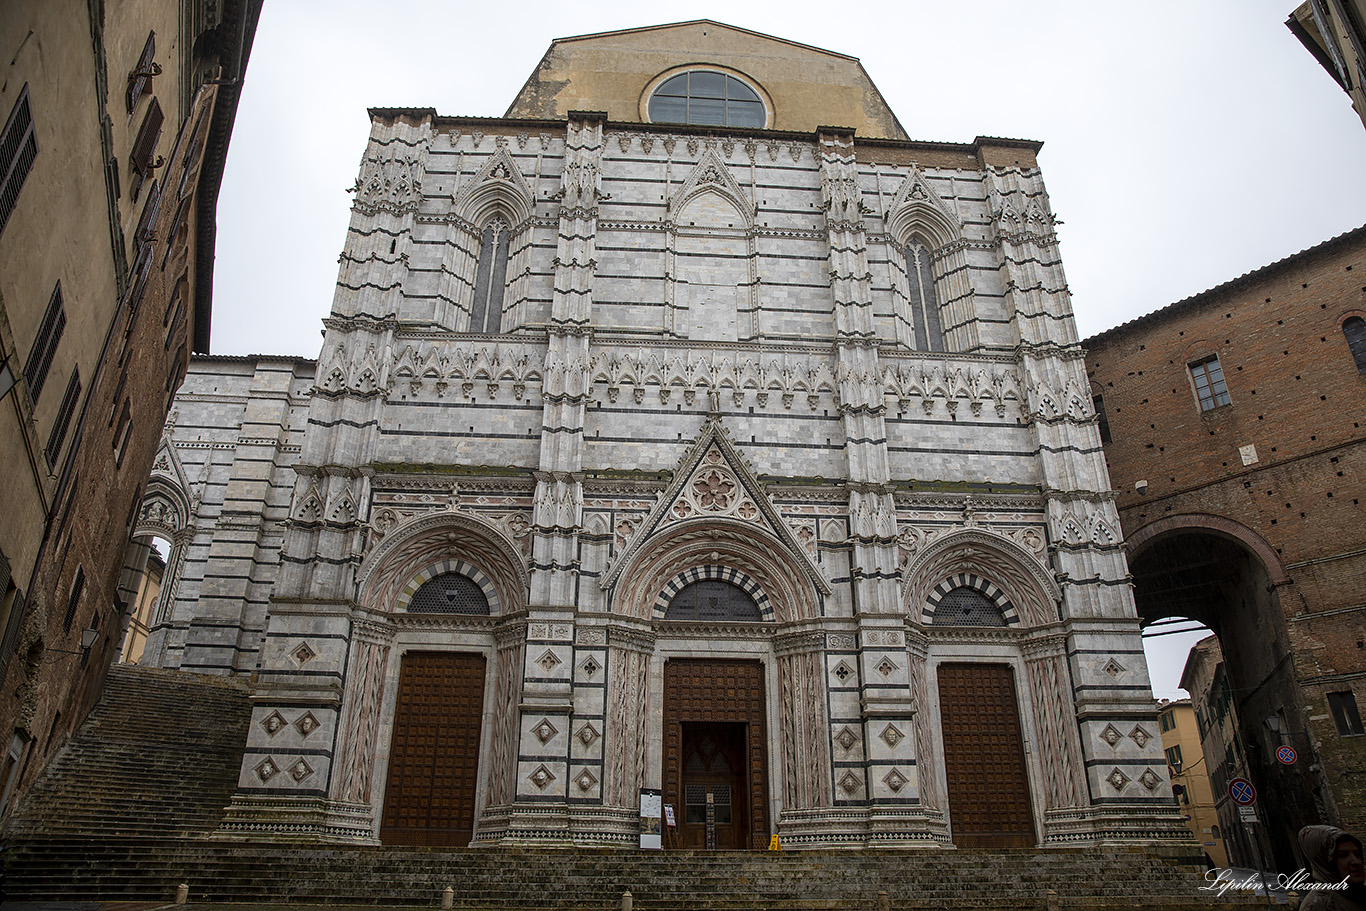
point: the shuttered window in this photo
(74, 601)
(145, 146)
(18, 149)
(1354, 330)
(140, 80)
(45, 345)
(64, 415)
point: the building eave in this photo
(1219, 292)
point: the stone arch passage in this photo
(1225, 576)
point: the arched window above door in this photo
(450, 593)
(712, 599)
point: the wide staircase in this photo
(128, 810)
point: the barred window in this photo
(1208, 377)
(965, 606)
(712, 599)
(490, 279)
(449, 593)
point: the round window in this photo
(707, 98)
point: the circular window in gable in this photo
(707, 98)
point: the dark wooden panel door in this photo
(434, 756)
(984, 757)
(714, 717)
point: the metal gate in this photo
(714, 710)
(434, 755)
(984, 763)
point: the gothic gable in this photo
(918, 208)
(714, 482)
(498, 187)
(711, 175)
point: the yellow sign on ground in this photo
(774, 844)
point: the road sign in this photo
(1242, 792)
(1247, 814)
(1286, 755)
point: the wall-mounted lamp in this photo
(88, 638)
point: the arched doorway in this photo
(1248, 704)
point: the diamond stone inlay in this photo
(1111, 734)
(303, 654)
(586, 780)
(895, 780)
(541, 777)
(300, 770)
(886, 667)
(1149, 779)
(267, 770)
(273, 723)
(588, 735)
(1140, 736)
(589, 667)
(1117, 779)
(549, 661)
(846, 738)
(850, 783)
(843, 671)
(1114, 668)
(545, 730)
(307, 724)
(892, 736)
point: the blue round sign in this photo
(1287, 755)
(1242, 792)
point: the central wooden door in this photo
(434, 755)
(714, 736)
(984, 761)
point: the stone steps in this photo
(222, 870)
(159, 755)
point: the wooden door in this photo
(434, 755)
(720, 701)
(984, 762)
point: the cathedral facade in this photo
(666, 437)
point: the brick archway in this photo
(1137, 542)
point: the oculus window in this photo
(707, 98)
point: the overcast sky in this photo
(1185, 143)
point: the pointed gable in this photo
(615, 72)
(714, 482)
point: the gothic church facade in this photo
(665, 436)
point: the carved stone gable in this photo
(711, 175)
(713, 481)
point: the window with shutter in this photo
(64, 414)
(140, 79)
(143, 157)
(18, 149)
(45, 345)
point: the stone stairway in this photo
(159, 755)
(129, 808)
(218, 870)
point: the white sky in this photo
(1186, 141)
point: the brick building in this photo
(1233, 422)
(666, 437)
(116, 130)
